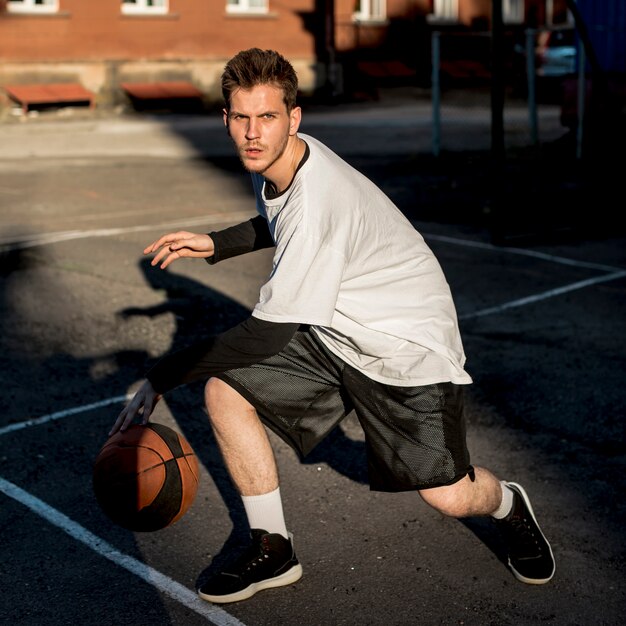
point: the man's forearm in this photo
(241, 239)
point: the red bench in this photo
(51, 93)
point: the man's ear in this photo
(225, 118)
(295, 117)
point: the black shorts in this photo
(415, 436)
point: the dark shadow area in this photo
(484, 529)
(184, 106)
(199, 311)
(53, 461)
(395, 56)
(41, 375)
(526, 201)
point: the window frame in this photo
(366, 12)
(140, 7)
(243, 8)
(445, 11)
(513, 11)
(29, 6)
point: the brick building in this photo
(101, 44)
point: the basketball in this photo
(146, 477)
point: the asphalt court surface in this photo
(83, 315)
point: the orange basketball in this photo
(146, 477)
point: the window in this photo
(143, 7)
(560, 17)
(247, 6)
(446, 10)
(33, 6)
(370, 11)
(513, 11)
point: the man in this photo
(355, 315)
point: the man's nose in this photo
(253, 129)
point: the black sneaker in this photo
(530, 554)
(269, 562)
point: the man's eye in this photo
(269, 116)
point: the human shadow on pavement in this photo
(55, 357)
(41, 325)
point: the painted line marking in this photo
(167, 585)
(615, 273)
(523, 252)
(9, 245)
(60, 414)
(545, 295)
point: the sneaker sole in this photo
(290, 576)
(520, 577)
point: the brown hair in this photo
(253, 67)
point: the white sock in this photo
(266, 512)
(506, 504)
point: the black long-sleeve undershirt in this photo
(241, 239)
(251, 341)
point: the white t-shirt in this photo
(348, 263)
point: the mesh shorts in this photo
(414, 436)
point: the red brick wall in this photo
(193, 29)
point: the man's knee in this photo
(214, 390)
(221, 399)
(452, 500)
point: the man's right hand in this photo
(178, 245)
(143, 404)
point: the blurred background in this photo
(531, 92)
(157, 54)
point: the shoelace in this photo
(257, 561)
(525, 535)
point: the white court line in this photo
(168, 586)
(20, 243)
(545, 295)
(60, 414)
(616, 273)
(523, 252)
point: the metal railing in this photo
(529, 121)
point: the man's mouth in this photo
(252, 151)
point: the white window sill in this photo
(438, 19)
(370, 21)
(233, 9)
(39, 10)
(129, 10)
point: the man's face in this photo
(260, 126)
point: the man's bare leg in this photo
(242, 439)
(465, 498)
(270, 560)
(529, 552)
